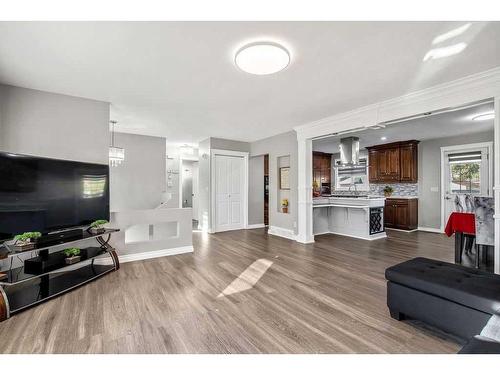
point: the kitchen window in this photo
(355, 177)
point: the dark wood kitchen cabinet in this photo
(401, 213)
(322, 172)
(393, 162)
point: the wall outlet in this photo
(435, 189)
(295, 224)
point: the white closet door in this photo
(229, 184)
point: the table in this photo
(460, 223)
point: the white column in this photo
(305, 217)
(496, 189)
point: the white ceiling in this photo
(178, 80)
(442, 125)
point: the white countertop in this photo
(349, 202)
(402, 197)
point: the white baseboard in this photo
(281, 232)
(401, 230)
(427, 229)
(256, 226)
(373, 236)
(147, 255)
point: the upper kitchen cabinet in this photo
(322, 172)
(393, 162)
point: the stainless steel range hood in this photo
(349, 151)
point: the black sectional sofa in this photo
(456, 299)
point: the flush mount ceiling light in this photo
(262, 58)
(484, 117)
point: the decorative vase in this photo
(387, 194)
(284, 210)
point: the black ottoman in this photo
(480, 345)
(456, 299)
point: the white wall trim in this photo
(147, 255)
(465, 90)
(256, 226)
(281, 232)
(245, 156)
(444, 149)
(428, 229)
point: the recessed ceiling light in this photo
(438, 53)
(451, 34)
(262, 58)
(484, 116)
(383, 138)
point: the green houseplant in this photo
(388, 190)
(284, 206)
(98, 226)
(26, 240)
(72, 255)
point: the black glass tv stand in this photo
(20, 290)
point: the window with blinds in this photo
(465, 172)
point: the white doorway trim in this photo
(245, 156)
(444, 150)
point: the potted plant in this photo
(97, 227)
(72, 255)
(316, 190)
(388, 190)
(26, 241)
(284, 206)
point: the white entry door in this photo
(229, 195)
(467, 171)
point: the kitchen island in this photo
(353, 216)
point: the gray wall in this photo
(138, 183)
(276, 146)
(228, 144)
(52, 125)
(256, 190)
(429, 166)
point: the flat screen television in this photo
(47, 195)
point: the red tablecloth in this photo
(461, 222)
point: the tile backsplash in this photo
(399, 189)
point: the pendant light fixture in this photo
(116, 154)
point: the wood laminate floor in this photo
(240, 292)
